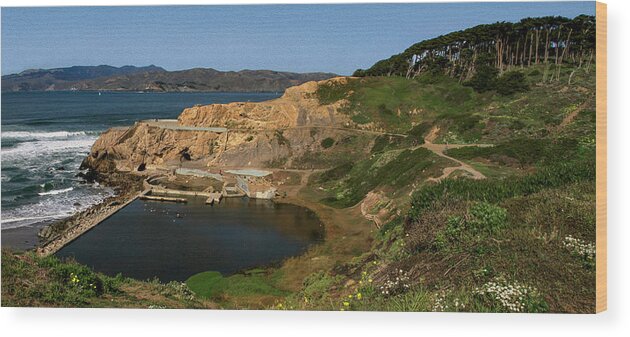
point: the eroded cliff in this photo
(298, 107)
(260, 134)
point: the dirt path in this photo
(292, 191)
(569, 118)
(439, 150)
(432, 134)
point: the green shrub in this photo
(317, 285)
(52, 282)
(361, 119)
(327, 142)
(80, 277)
(511, 82)
(415, 300)
(485, 78)
(332, 92)
(417, 132)
(388, 226)
(487, 217)
(334, 173)
(451, 232)
(282, 140)
(383, 110)
(388, 142)
(534, 72)
(482, 219)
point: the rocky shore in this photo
(58, 234)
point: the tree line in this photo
(550, 40)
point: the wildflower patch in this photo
(581, 248)
(511, 296)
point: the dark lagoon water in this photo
(148, 239)
(46, 135)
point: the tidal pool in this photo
(173, 241)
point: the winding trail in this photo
(439, 150)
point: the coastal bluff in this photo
(261, 134)
(298, 107)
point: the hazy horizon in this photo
(296, 38)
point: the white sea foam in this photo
(54, 206)
(43, 148)
(34, 154)
(53, 192)
(41, 135)
(44, 217)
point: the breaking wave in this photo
(40, 135)
(53, 192)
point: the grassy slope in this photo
(446, 252)
(33, 281)
(397, 104)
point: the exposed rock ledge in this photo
(298, 106)
(259, 134)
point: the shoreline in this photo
(23, 238)
(345, 230)
(90, 218)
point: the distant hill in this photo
(65, 78)
(153, 78)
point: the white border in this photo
(614, 322)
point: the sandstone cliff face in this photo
(146, 144)
(297, 107)
(260, 134)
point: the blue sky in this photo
(302, 38)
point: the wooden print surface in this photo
(601, 158)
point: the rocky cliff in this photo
(259, 134)
(298, 107)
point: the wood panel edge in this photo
(601, 300)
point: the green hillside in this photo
(462, 244)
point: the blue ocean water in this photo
(46, 135)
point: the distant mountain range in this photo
(153, 78)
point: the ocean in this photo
(46, 135)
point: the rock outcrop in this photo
(259, 134)
(298, 107)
